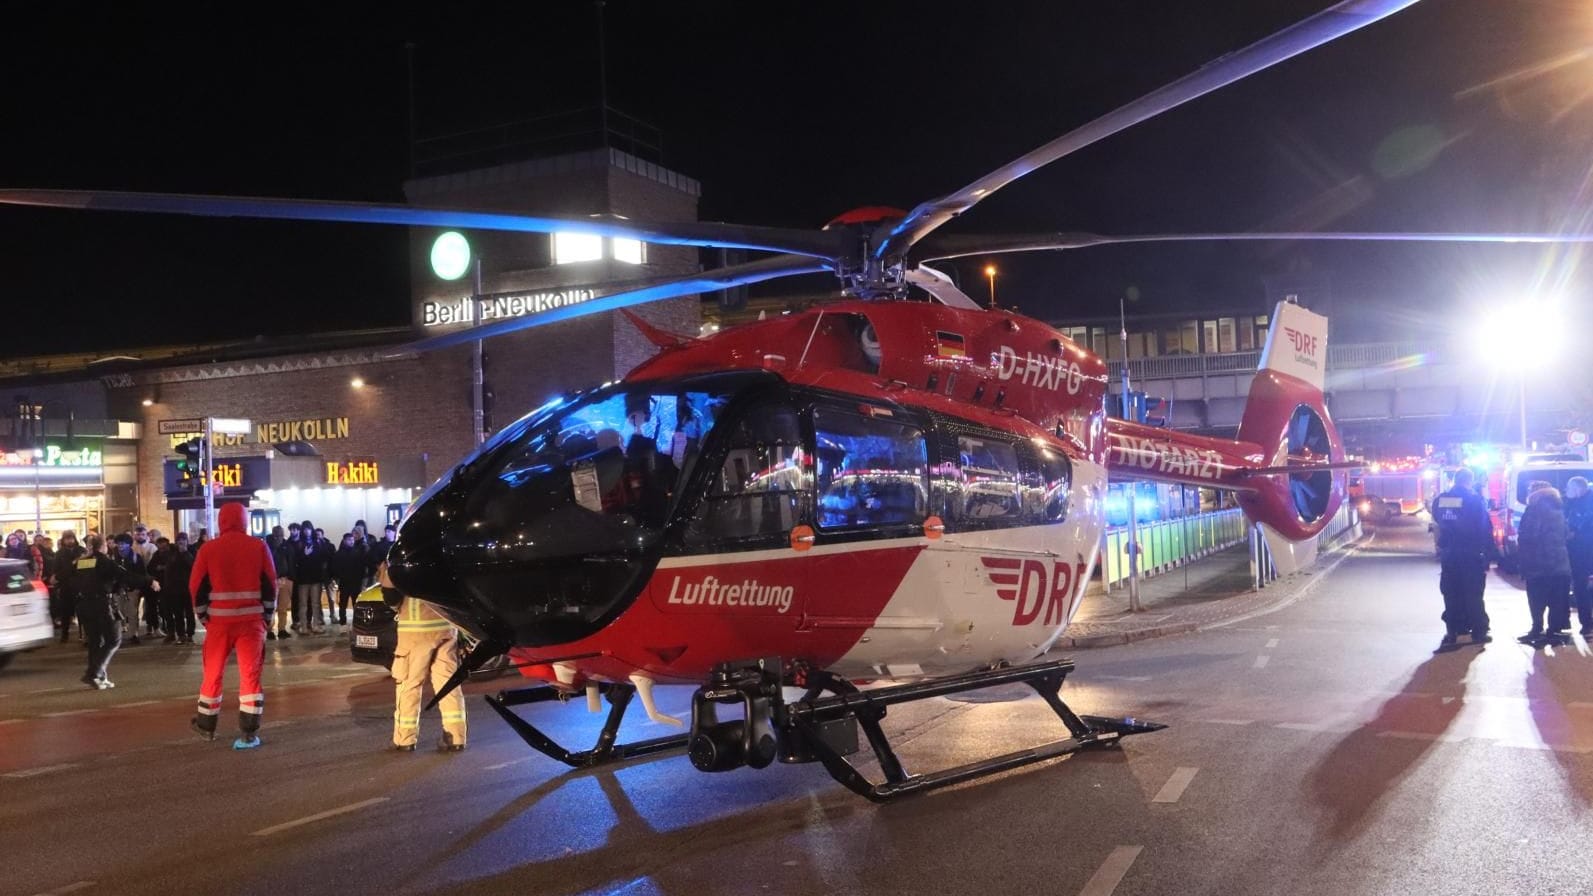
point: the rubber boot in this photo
(204, 726)
(248, 728)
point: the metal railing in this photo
(1169, 544)
(1166, 545)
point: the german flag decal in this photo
(949, 345)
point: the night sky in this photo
(1453, 115)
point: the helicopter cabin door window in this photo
(871, 470)
(989, 483)
(763, 485)
(983, 479)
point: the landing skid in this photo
(867, 708)
(819, 727)
(605, 750)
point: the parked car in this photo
(375, 636)
(24, 611)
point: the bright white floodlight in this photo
(1520, 336)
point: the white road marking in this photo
(1308, 726)
(1579, 704)
(11, 721)
(1174, 788)
(493, 768)
(49, 691)
(1230, 721)
(1544, 748)
(69, 888)
(1271, 643)
(42, 770)
(70, 712)
(1273, 628)
(1124, 677)
(1261, 661)
(1106, 878)
(139, 703)
(1422, 735)
(319, 816)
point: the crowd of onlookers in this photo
(316, 579)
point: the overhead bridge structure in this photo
(1385, 397)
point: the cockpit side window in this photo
(763, 485)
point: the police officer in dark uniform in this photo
(1465, 547)
(94, 576)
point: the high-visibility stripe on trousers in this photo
(419, 656)
(246, 637)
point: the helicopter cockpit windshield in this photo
(621, 453)
(560, 518)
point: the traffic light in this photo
(190, 470)
(1158, 411)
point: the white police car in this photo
(24, 611)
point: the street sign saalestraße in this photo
(177, 427)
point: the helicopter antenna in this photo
(1130, 487)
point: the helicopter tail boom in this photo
(1285, 461)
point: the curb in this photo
(1287, 592)
(1114, 638)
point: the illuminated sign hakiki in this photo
(494, 307)
(356, 472)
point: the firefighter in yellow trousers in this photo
(428, 645)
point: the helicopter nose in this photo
(418, 562)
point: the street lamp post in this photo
(990, 274)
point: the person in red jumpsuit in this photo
(234, 584)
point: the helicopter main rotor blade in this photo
(632, 293)
(940, 287)
(939, 248)
(1319, 29)
(817, 244)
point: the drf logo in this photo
(1031, 587)
(1304, 343)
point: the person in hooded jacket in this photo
(282, 556)
(312, 570)
(62, 597)
(1579, 522)
(1546, 566)
(234, 585)
(173, 565)
(348, 569)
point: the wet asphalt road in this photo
(1320, 748)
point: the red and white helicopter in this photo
(882, 491)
